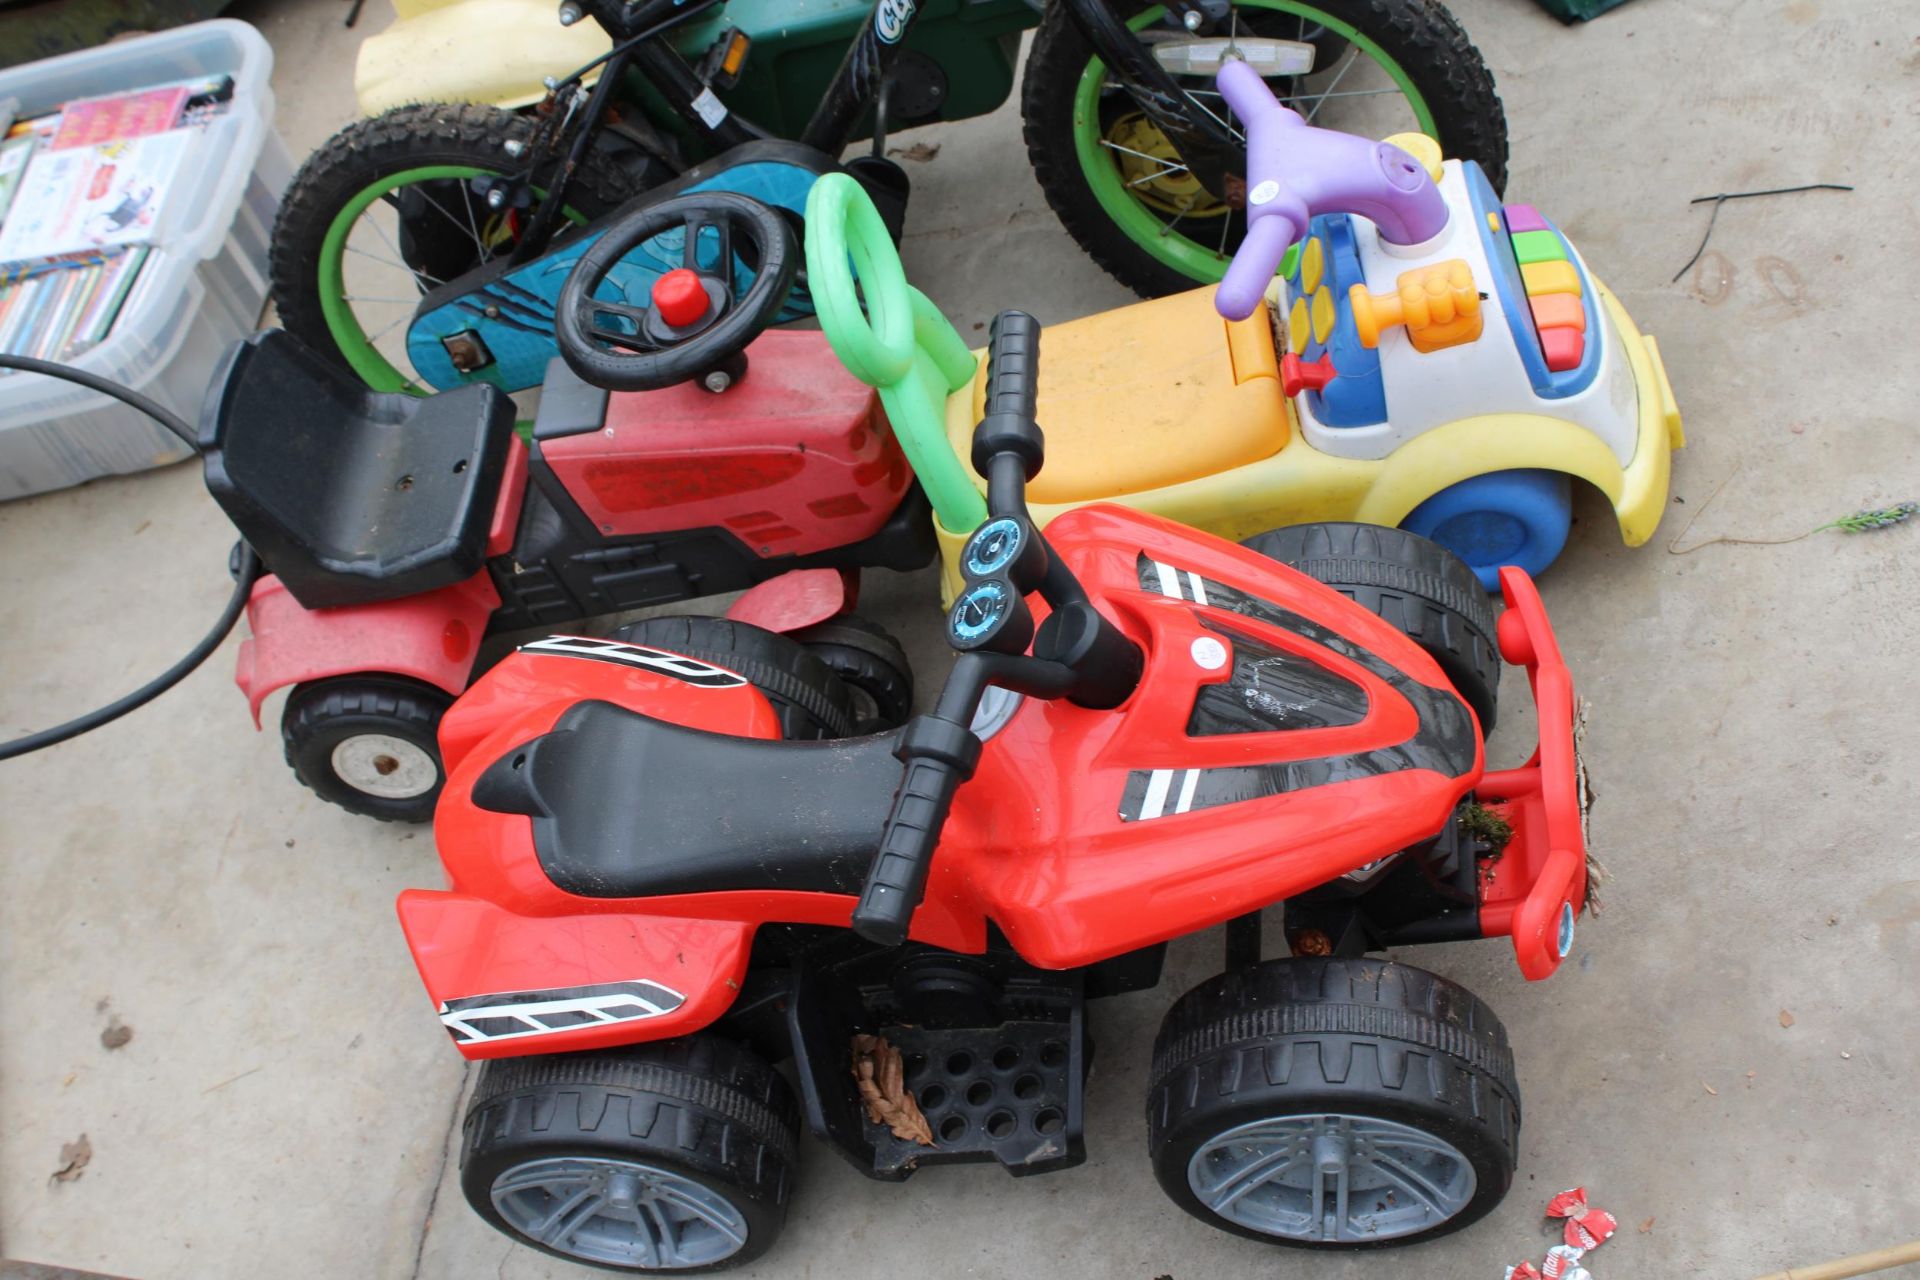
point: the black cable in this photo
(1725, 196)
(246, 568)
(94, 382)
(634, 42)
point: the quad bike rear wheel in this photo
(1418, 586)
(1333, 1103)
(672, 1157)
(811, 700)
(386, 210)
(368, 744)
(870, 662)
(1119, 186)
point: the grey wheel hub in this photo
(1333, 1179)
(621, 1213)
(380, 764)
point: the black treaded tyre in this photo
(868, 661)
(424, 135)
(810, 699)
(368, 743)
(1420, 36)
(1415, 584)
(672, 1157)
(1272, 1085)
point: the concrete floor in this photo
(287, 1105)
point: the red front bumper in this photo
(1535, 890)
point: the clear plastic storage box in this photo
(203, 284)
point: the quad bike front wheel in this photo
(1419, 586)
(1333, 1103)
(368, 744)
(671, 1157)
(1119, 186)
(387, 209)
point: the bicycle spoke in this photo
(1320, 100)
(1185, 208)
(399, 259)
(389, 329)
(471, 230)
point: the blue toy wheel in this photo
(1506, 517)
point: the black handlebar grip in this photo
(939, 756)
(1013, 394)
(1013, 365)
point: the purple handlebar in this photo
(1295, 171)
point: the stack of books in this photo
(83, 192)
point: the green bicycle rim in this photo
(361, 355)
(1198, 261)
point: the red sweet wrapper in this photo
(1587, 1227)
(1563, 1263)
(1525, 1271)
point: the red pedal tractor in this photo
(655, 895)
(398, 532)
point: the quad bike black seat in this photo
(626, 806)
(351, 496)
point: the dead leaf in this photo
(1646, 1226)
(881, 1077)
(116, 1034)
(919, 152)
(1786, 1019)
(73, 1158)
(1709, 1088)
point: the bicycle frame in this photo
(1212, 149)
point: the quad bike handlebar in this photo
(1077, 653)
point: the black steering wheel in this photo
(692, 326)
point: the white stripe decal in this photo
(1199, 591)
(1156, 801)
(1187, 784)
(1169, 579)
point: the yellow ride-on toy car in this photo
(1451, 381)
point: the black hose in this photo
(246, 568)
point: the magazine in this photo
(14, 153)
(94, 197)
(87, 122)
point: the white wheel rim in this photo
(382, 765)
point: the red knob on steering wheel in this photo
(691, 323)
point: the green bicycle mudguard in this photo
(899, 344)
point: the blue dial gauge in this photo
(979, 612)
(993, 546)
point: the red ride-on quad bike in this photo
(655, 895)
(397, 532)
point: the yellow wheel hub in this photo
(1153, 171)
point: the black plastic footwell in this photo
(1010, 1093)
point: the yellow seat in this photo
(1144, 397)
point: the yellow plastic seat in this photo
(1144, 397)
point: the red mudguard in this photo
(431, 638)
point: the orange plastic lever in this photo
(1439, 305)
